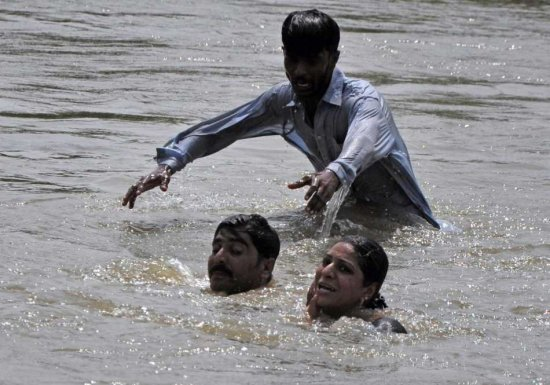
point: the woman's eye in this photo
(326, 261)
(344, 269)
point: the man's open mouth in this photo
(302, 85)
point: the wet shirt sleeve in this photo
(258, 117)
(369, 138)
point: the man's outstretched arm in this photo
(259, 117)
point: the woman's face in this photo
(338, 281)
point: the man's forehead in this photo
(304, 51)
(233, 234)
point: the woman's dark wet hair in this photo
(264, 237)
(307, 33)
(373, 262)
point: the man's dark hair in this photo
(308, 32)
(373, 262)
(264, 237)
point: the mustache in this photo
(221, 268)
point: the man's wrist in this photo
(166, 168)
(345, 176)
(334, 174)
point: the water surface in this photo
(92, 293)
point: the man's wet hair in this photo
(306, 33)
(373, 262)
(264, 237)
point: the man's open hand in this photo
(322, 186)
(159, 177)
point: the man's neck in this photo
(310, 106)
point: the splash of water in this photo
(332, 209)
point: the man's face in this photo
(234, 266)
(310, 74)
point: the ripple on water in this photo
(138, 272)
(247, 318)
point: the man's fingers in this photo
(125, 200)
(159, 177)
(132, 202)
(297, 184)
(305, 181)
(315, 203)
(133, 192)
(147, 183)
(317, 197)
(312, 190)
(294, 185)
(164, 185)
(129, 194)
(164, 181)
(130, 197)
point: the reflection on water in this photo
(92, 293)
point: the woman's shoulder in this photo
(388, 325)
(377, 318)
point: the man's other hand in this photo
(322, 186)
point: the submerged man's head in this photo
(310, 45)
(244, 251)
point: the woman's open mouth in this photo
(324, 288)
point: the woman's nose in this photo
(328, 270)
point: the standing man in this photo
(344, 127)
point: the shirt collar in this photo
(333, 95)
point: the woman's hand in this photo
(312, 307)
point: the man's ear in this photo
(267, 268)
(335, 56)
